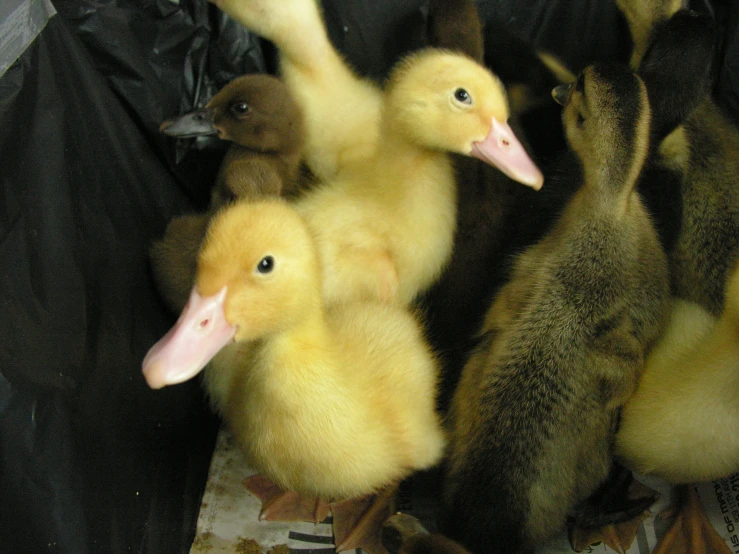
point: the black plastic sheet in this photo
(92, 460)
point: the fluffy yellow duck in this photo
(384, 217)
(677, 424)
(332, 403)
(672, 426)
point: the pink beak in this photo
(503, 150)
(199, 334)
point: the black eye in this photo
(580, 120)
(240, 108)
(266, 265)
(463, 96)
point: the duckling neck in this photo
(613, 181)
(302, 342)
(401, 160)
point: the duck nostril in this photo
(204, 323)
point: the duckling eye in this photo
(463, 96)
(266, 265)
(240, 108)
(580, 120)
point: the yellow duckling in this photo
(385, 216)
(335, 403)
(385, 227)
(675, 425)
(672, 425)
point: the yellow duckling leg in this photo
(281, 505)
(691, 532)
(358, 521)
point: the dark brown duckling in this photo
(265, 127)
(534, 415)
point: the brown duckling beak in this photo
(561, 94)
(502, 149)
(199, 334)
(198, 123)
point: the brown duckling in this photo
(265, 127)
(533, 418)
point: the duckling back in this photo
(563, 343)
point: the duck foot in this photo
(613, 514)
(281, 505)
(358, 521)
(404, 534)
(618, 536)
(691, 532)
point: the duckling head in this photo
(254, 111)
(606, 119)
(257, 275)
(447, 101)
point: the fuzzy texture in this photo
(642, 17)
(385, 227)
(496, 217)
(341, 110)
(335, 403)
(675, 424)
(258, 116)
(173, 258)
(703, 152)
(563, 344)
(267, 139)
(385, 215)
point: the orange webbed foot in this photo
(281, 505)
(358, 521)
(691, 532)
